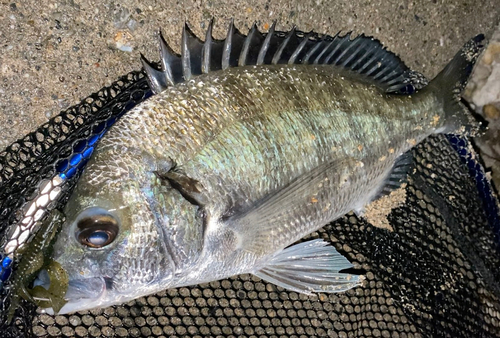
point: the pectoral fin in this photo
(309, 267)
(306, 199)
(296, 195)
(191, 189)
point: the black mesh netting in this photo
(29, 165)
(434, 275)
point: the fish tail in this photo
(450, 83)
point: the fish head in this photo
(127, 234)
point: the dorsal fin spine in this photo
(166, 57)
(155, 77)
(207, 48)
(226, 53)
(265, 45)
(246, 45)
(312, 51)
(279, 51)
(185, 54)
(299, 48)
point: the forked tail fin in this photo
(450, 83)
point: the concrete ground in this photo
(54, 53)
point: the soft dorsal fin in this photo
(363, 55)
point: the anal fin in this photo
(398, 175)
(309, 267)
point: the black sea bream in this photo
(250, 144)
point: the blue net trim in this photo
(484, 188)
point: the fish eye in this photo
(96, 228)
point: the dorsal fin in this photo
(363, 55)
(207, 49)
(252, 41)
(233, 46)
(298, 51)
(265, 45)
(281, 48)
(192, 53)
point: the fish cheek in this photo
(111, 261)
(66, 250)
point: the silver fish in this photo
(220, 173)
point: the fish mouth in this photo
(82, 293)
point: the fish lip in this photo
(85, 288)
(82, 293)
(80, 298)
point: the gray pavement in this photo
(54, 53)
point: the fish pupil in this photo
(98, 238)
(96, 230)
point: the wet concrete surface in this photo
(54, 53)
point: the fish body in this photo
(218, 175)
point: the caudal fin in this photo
(450, 83)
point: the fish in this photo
(249, 144)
